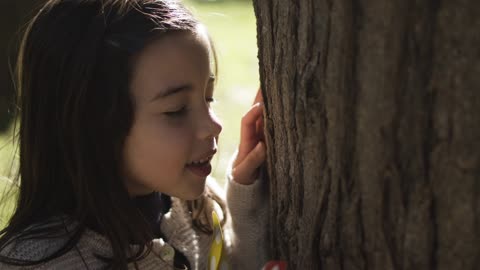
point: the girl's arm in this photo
(246, 195)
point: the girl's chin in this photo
(193, 195)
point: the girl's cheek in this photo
(174, 122)
(176, 127)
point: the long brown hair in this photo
(73, 72)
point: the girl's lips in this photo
(207, 156)
(202, 170)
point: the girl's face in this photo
(174, 125)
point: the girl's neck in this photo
(153, 206)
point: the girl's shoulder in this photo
(86, 253)
(52, 244)
(35, 241)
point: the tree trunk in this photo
(373, 132)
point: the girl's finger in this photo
(245, 172)
(260, 129)
(258, 97)
(248, 130)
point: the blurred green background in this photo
(231, 23)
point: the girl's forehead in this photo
(201, 35)
(178, 44)
(170, 61)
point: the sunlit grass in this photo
(7, 169)
(7, 200)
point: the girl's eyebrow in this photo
(172, 91)
(177, 89)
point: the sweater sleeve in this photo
(247, 227)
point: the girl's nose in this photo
(211, 126)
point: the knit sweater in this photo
(245, 234)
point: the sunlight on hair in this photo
(202, 30)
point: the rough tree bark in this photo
(373, 132)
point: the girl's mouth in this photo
(200, 169)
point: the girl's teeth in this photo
(200, 161)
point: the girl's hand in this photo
(252, 150)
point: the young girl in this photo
(116, 137)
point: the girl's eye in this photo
(210, 100)
(177, 113)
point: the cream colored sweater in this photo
(245, 234)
